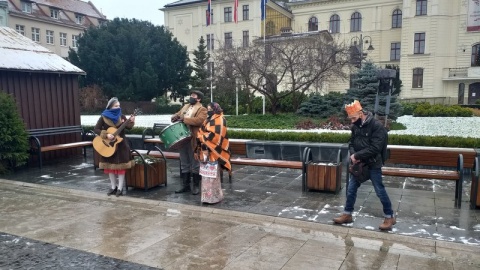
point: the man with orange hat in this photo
(367, 144)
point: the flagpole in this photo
(211, 50)
(264, 20)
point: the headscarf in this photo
(112, 114)
(216, 108)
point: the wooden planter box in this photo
(147, 176)
(324, 176)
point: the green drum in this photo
(175, 136)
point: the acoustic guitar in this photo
(106, 147)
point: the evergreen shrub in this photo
(13, 136)
(324, 106)
(408, 107)
(427, 110)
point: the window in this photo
(228, 40)
(246, 12)
(419, 43)
(211, 69)
(334, 24)
(54, 13)
(50, 37)
(395, 51)
(421, 7)
(20, 29)
(210, 42)
(476, 55)
(246, 66)
(78, 18)
(26, 7)
(63, 39)
(74, 41)
(227, 12)
(313, 24)
(397, 19)
(356, 22)
(417, 78)
(229, 69)
(36, 34)
(246, 39)
(270, 28)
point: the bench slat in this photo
(237, 160)
(421, 173)
(65, 146)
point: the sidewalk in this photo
(88, 230)
(424, 208)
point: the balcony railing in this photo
(458, 72)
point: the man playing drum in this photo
(193, 115)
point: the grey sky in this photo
(146, 10)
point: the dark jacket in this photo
(368, 141)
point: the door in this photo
(473, 92)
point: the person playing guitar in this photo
(115, 163)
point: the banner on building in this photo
(473, 20)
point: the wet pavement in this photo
(265, 222)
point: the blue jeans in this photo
(376, 177)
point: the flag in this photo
(235, 11)
(263, 9)
(209, 12)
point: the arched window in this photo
(334, 26)
(313, 24)
(417, 81)
(356, 22)
(397, 19)
(270, 28)
(476, 55)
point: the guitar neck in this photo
(122, 127)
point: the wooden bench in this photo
(235, 160)
(434, 163)
(38, 149)
(148, 134)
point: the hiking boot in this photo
(387, 224)
(185, 183)
(196, 183)
(344, 218)
(112, 191)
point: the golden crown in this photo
(353, 107)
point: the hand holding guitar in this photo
(107, 147)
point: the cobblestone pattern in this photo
(23, 253)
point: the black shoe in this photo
(112, 191)
(195, 190)
(196, 183)
(185, 183)
(119, 192)
(183, 189)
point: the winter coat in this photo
(213, 136)
(193, 118)
(121, 159)
(368, 141)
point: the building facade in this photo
(435, 43)
(56, 25)
(3, 12)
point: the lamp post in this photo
(358, 42)
(237, 85)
